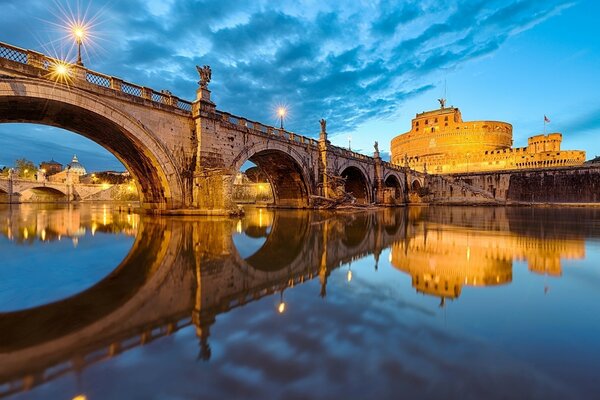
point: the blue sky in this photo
(367, 67)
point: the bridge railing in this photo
(41, 61)
(266, 130)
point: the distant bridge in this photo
(14, 190)
(185, 155)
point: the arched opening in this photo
(415, 186)
(356, 184)
(273, 178)
(43, 194)
(393, 193)
(137, 149)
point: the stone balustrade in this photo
(78, 73)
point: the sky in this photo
(367, 67)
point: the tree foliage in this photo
(25, 168)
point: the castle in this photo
(440, 142)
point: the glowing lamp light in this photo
(62, 69)
(78, 32)
(281, 112)
(281, 308)
(80, 397)
(349, 275)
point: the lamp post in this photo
(281, 111)
(349, 141)
(79, 34)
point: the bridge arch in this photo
(42, 102)
(416, 185)
(42, 193)
(392, 181)
(357, 184)
(286, 170)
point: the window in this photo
(435, 120)
(417, 123)
(446, 118)
(426, 121)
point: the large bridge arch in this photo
(287, 171)
(42, 102)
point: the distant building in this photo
(72, 173)
(441, 142)
(51, 167)
(75, 167)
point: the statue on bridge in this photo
(323, 125)
(205, 75)
(376, 146)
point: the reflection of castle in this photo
(441, 142)
(441, 259)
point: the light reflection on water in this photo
(426, 302)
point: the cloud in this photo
(348, 64)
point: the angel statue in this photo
(205, 75)
(323, 125)
(442, 103)
(376, 145)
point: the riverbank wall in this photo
(568, 185)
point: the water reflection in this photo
(28, 223)
(184, 273)
(446, 249)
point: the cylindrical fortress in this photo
(444, 132)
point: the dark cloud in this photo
(347, 64)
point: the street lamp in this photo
(78, 32)
(349, 141)
(281, 111)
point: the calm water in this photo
(409, 303)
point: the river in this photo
(97, 302)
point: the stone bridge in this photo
(184, 155)
(177, 275)
(17, 190)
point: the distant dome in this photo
(75, 167)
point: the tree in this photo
(25, 169)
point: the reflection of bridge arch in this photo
(286, 170)
(41, 102)
(283, 246)
(30, 327)
(357, 184)
(356, 231)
